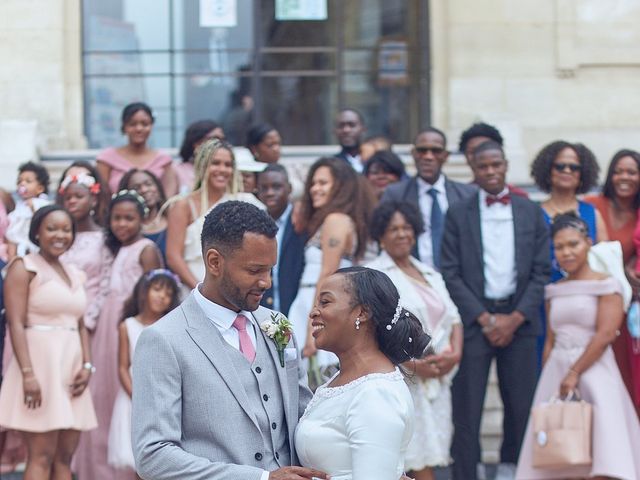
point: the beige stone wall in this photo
(540, 71)
(40, 69)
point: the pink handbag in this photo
(562, 433)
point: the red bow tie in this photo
(505, 199)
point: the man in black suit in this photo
(274, 190)
(430, 191)
(350, 129)
(495, 262)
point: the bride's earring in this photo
(358, 323)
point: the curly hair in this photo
(350, 194)
(102, 198)
(111, 241)
(224, 226)
(543, 163)
(375, 292)
(480, 129)
(41, 173)
(383, 213)
(608, 190)
(195, 133)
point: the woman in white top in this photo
(358, 425)
(334, 214)
(395, 226)
(216, 181)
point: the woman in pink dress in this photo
(44, 394)
(80, 195)
(134, 255)
(584, 312)
(113, 163)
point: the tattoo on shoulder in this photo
(334, 242)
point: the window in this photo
(368, 54)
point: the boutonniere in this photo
(278, 329)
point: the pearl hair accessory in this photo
(396, 316)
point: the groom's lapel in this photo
(209, 340)
(261, 315)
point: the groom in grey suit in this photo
(211, 398)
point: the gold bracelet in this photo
(574, 372)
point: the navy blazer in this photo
(463, 264)
(407, 191)
(290, 267)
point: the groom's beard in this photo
(241, 300)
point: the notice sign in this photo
(287, 10)
(218, 13)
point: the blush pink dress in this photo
(615, 427)
(120, 165)
(89, 254)
(53, 310)
(91, 455)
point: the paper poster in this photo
(301, 10)
(218, 13)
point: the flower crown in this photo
(133, 194)
(156, 272)
(82, 179)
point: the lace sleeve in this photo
(378, 425)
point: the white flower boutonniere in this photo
(278, 329)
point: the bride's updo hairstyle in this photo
(398, 332)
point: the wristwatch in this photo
(89, 366)
(492, 320)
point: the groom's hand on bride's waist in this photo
(297, 473)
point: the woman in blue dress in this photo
(565, 170)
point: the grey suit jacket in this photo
(463, 264)
(407, 191)
(191, 416)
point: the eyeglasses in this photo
(562, 167)
(425, 150)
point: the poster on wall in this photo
(218, 13)
(287, 10)
(393, 63)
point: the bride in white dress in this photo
(359, 424)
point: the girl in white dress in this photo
(155, 294)
(335, 211)
(359, 424)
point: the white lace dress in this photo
(359, 431)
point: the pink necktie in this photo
(246, 347)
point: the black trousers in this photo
(517, 377)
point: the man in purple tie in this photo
(495, 263)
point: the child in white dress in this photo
(33, 187)
(155, 295)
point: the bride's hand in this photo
(297, 473)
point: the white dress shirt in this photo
(425, 202)
(355, 162)
(498, 247)
(281, 222)
(222, 318)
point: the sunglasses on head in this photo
(561, 167)
(424, 150)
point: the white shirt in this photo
(355, 162)
(498, 247)
(223, 318)
(425, 248)
(281, 222)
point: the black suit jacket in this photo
(463, 266)
(290, 267)
(407, 191)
